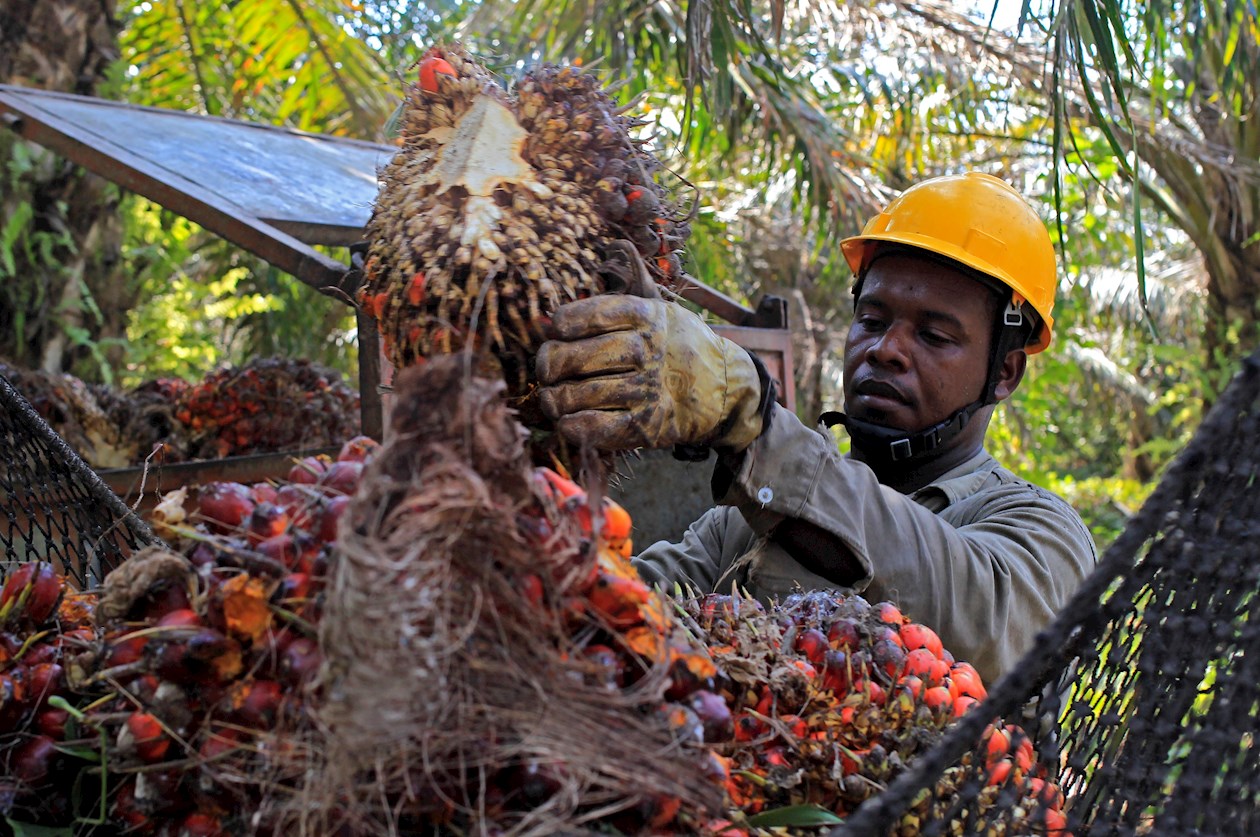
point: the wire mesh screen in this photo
(53, 507)
(1149, 679)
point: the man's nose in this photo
(890, 349)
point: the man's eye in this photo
(935, 338)
(870, 323)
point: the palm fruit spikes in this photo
(501, 206)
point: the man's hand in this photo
(624, 372)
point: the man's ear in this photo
(1012, 373)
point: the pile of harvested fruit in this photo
(266, 405)
(531, 681)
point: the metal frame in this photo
(82, 129)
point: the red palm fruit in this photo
(41, 652)
(124, 649)
(531, 588)
(307, 471)
(664, 810)
(813, 644)
(795, 724)
(151, 741)
(963, 680)
(358, 449)
(749, 727)
(198, 824)
(263, 492)
(342, 477)
(843, 635)
(999, 772)
(430, 69)
(299, 661)
(875, 693)
(774, 755)
(294, 589)
(962, 704)
(330, 517)
(219, 742)
(43, 681)
(714, 715)
(1055, 823)
(915, 636)
(265, 521)
(562, 487)
(923, 663)
(30, 593)
(182, 618)
(619, 600)
(804, 668)
(938, 699)
(1046, 793)
(1024, 753)
(888, 612)
(912, 684)
(128, 810)
(227, 505)
(997, 745)
(52, 723)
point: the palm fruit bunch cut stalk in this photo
(72, 409)
(268, 404)
(493, 663)
(145, 416)
(175, 699)
(831, 697)
(505, 201)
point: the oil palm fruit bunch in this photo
(269, 404)
(72, 409)
(503, 203)
(145, 415)
(486, 636)
(831, 697)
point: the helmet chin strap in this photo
(892, 445)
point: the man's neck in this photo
(910, 476)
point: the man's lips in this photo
(876, 393)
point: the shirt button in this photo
(765, 494)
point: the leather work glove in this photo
(624, 372)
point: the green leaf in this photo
(794, 816)
(22, 829)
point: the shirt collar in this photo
(960, 482)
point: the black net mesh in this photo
(1149, 679)
(53, 507)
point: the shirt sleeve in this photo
(703, 556)
(986, 582)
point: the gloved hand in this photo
(624, 372)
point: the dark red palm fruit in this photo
(30, 594)
(888, 658)
(34, 762)
(342, 477)
(307, 471)
(292, 591)
(749, 727)
(263, 492)
(257, 703)
(329, 518)
(127, 810)
(43, 681)
(358, 449)
(52, 723)
(843, 635)
(837, 673)
(714, 715)
(265, 521)
(299, 661)
(282, 549)
(226, 505)
(609, 667)
(196, 658)
(163, 598)
(150, 740)
(219, 743)
(124, 649)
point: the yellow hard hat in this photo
(980, 221)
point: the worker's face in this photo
(918, 348)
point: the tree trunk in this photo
(64, 295)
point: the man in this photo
(955, 286)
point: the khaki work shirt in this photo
(982, 557)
